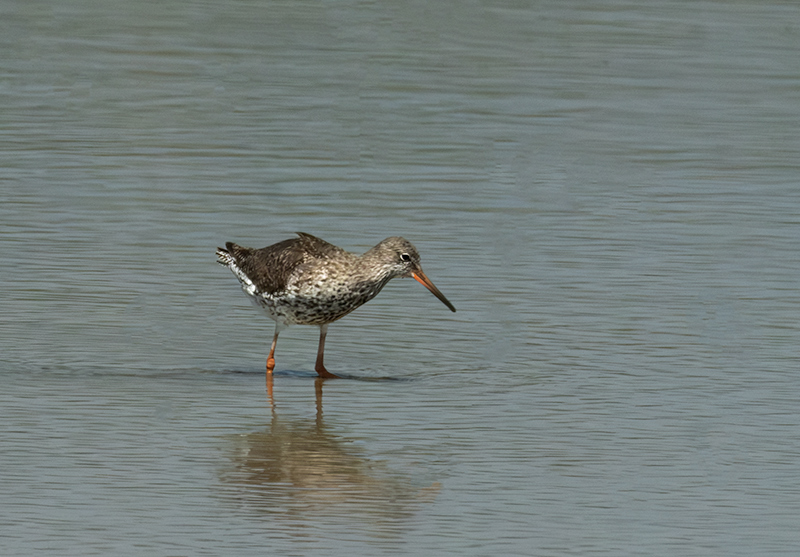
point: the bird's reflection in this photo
(299, 470)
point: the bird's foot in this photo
(324, 373)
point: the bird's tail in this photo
(227, 257)
(224, 257)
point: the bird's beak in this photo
(426, 282)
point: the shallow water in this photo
(607, 192)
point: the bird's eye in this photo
(405, 257)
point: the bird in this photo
(308, 281)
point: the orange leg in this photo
(271, 357)
(320, 367)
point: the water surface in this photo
(607, 192)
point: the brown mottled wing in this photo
(271, 267)
(317, 247)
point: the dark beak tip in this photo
(420, 277)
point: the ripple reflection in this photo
(300, 470)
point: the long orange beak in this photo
(426, 282)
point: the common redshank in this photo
(307, 281)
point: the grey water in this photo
(609, 193)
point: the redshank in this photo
(307, 281)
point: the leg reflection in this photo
(318, 392)
(270, 396)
